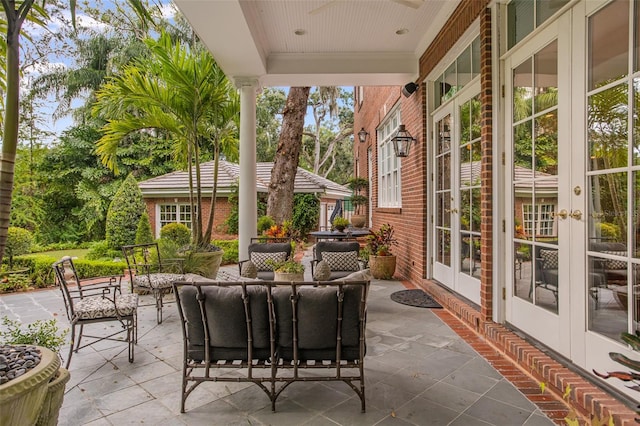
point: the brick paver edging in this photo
(527, 367)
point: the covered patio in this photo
(418, 371)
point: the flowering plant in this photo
(379, 242)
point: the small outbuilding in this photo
(167, 196)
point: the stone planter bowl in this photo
(382, 267)
(21, 399)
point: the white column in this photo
(247, 203)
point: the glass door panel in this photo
(443, 198)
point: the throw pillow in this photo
(616, 264)
(549, 259)
(260, 258)
(322, 271)
(364, 275)
(249, 270)
(341, 260)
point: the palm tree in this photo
(182, 91)
(15, 14)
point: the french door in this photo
(541, 157)
(572, 182)
(456, 222)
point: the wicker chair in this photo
(95, 300)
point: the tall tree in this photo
(16, 12)
(181, 90)
(285, 164)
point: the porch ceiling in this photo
(344, 42)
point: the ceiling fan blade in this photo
(327, 5)
(414, 4)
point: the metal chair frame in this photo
(104, 288)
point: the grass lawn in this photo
(58, 254)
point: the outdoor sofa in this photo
(272, 333)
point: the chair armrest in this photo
(104, 287)
(314, 262)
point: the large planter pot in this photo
(288, 276)
(382, 267)
(208, 263)
(53, 400)
(21, 399)
(358, 220)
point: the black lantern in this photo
(402, 141)
(363, 135)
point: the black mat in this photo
(415, 297)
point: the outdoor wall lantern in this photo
(363, 135)
(402, 141)
(409, 89)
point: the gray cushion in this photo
(363, 275)
(226, 317)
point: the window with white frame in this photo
(175, 213)
(539, 220)
(388, 163)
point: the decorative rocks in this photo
(16, 360)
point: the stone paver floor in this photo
(417, 371)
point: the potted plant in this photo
(359, 201)
(340, 223)
(35, 395)
(381, 261)
(288, 270)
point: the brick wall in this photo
(409, 221)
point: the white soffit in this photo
(340, 42)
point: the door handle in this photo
(576, 214)
(563, 214)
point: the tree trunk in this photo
(285, 165)
(15, 18)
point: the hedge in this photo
(41, 273)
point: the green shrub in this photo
(40, 333)
(19, 242)
(306, 212)
(144, 234)
(37, 248)
(101, 250)
(176, 232)
(264, 223)
(41, 274)
(609, 231)
(14, 282)
(124, 213)
(230, 248)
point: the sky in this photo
(54, 61)
(61, 60)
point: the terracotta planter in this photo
(358, 220)
(382, 267)
(53, 400)
(288, 276)
(21, 399)
(208, 263)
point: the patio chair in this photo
(547, 270)
(260, 254)
(341, 257)
(95, 300)
(148, 273)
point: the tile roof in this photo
(177, 183)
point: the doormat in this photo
(415, 297)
